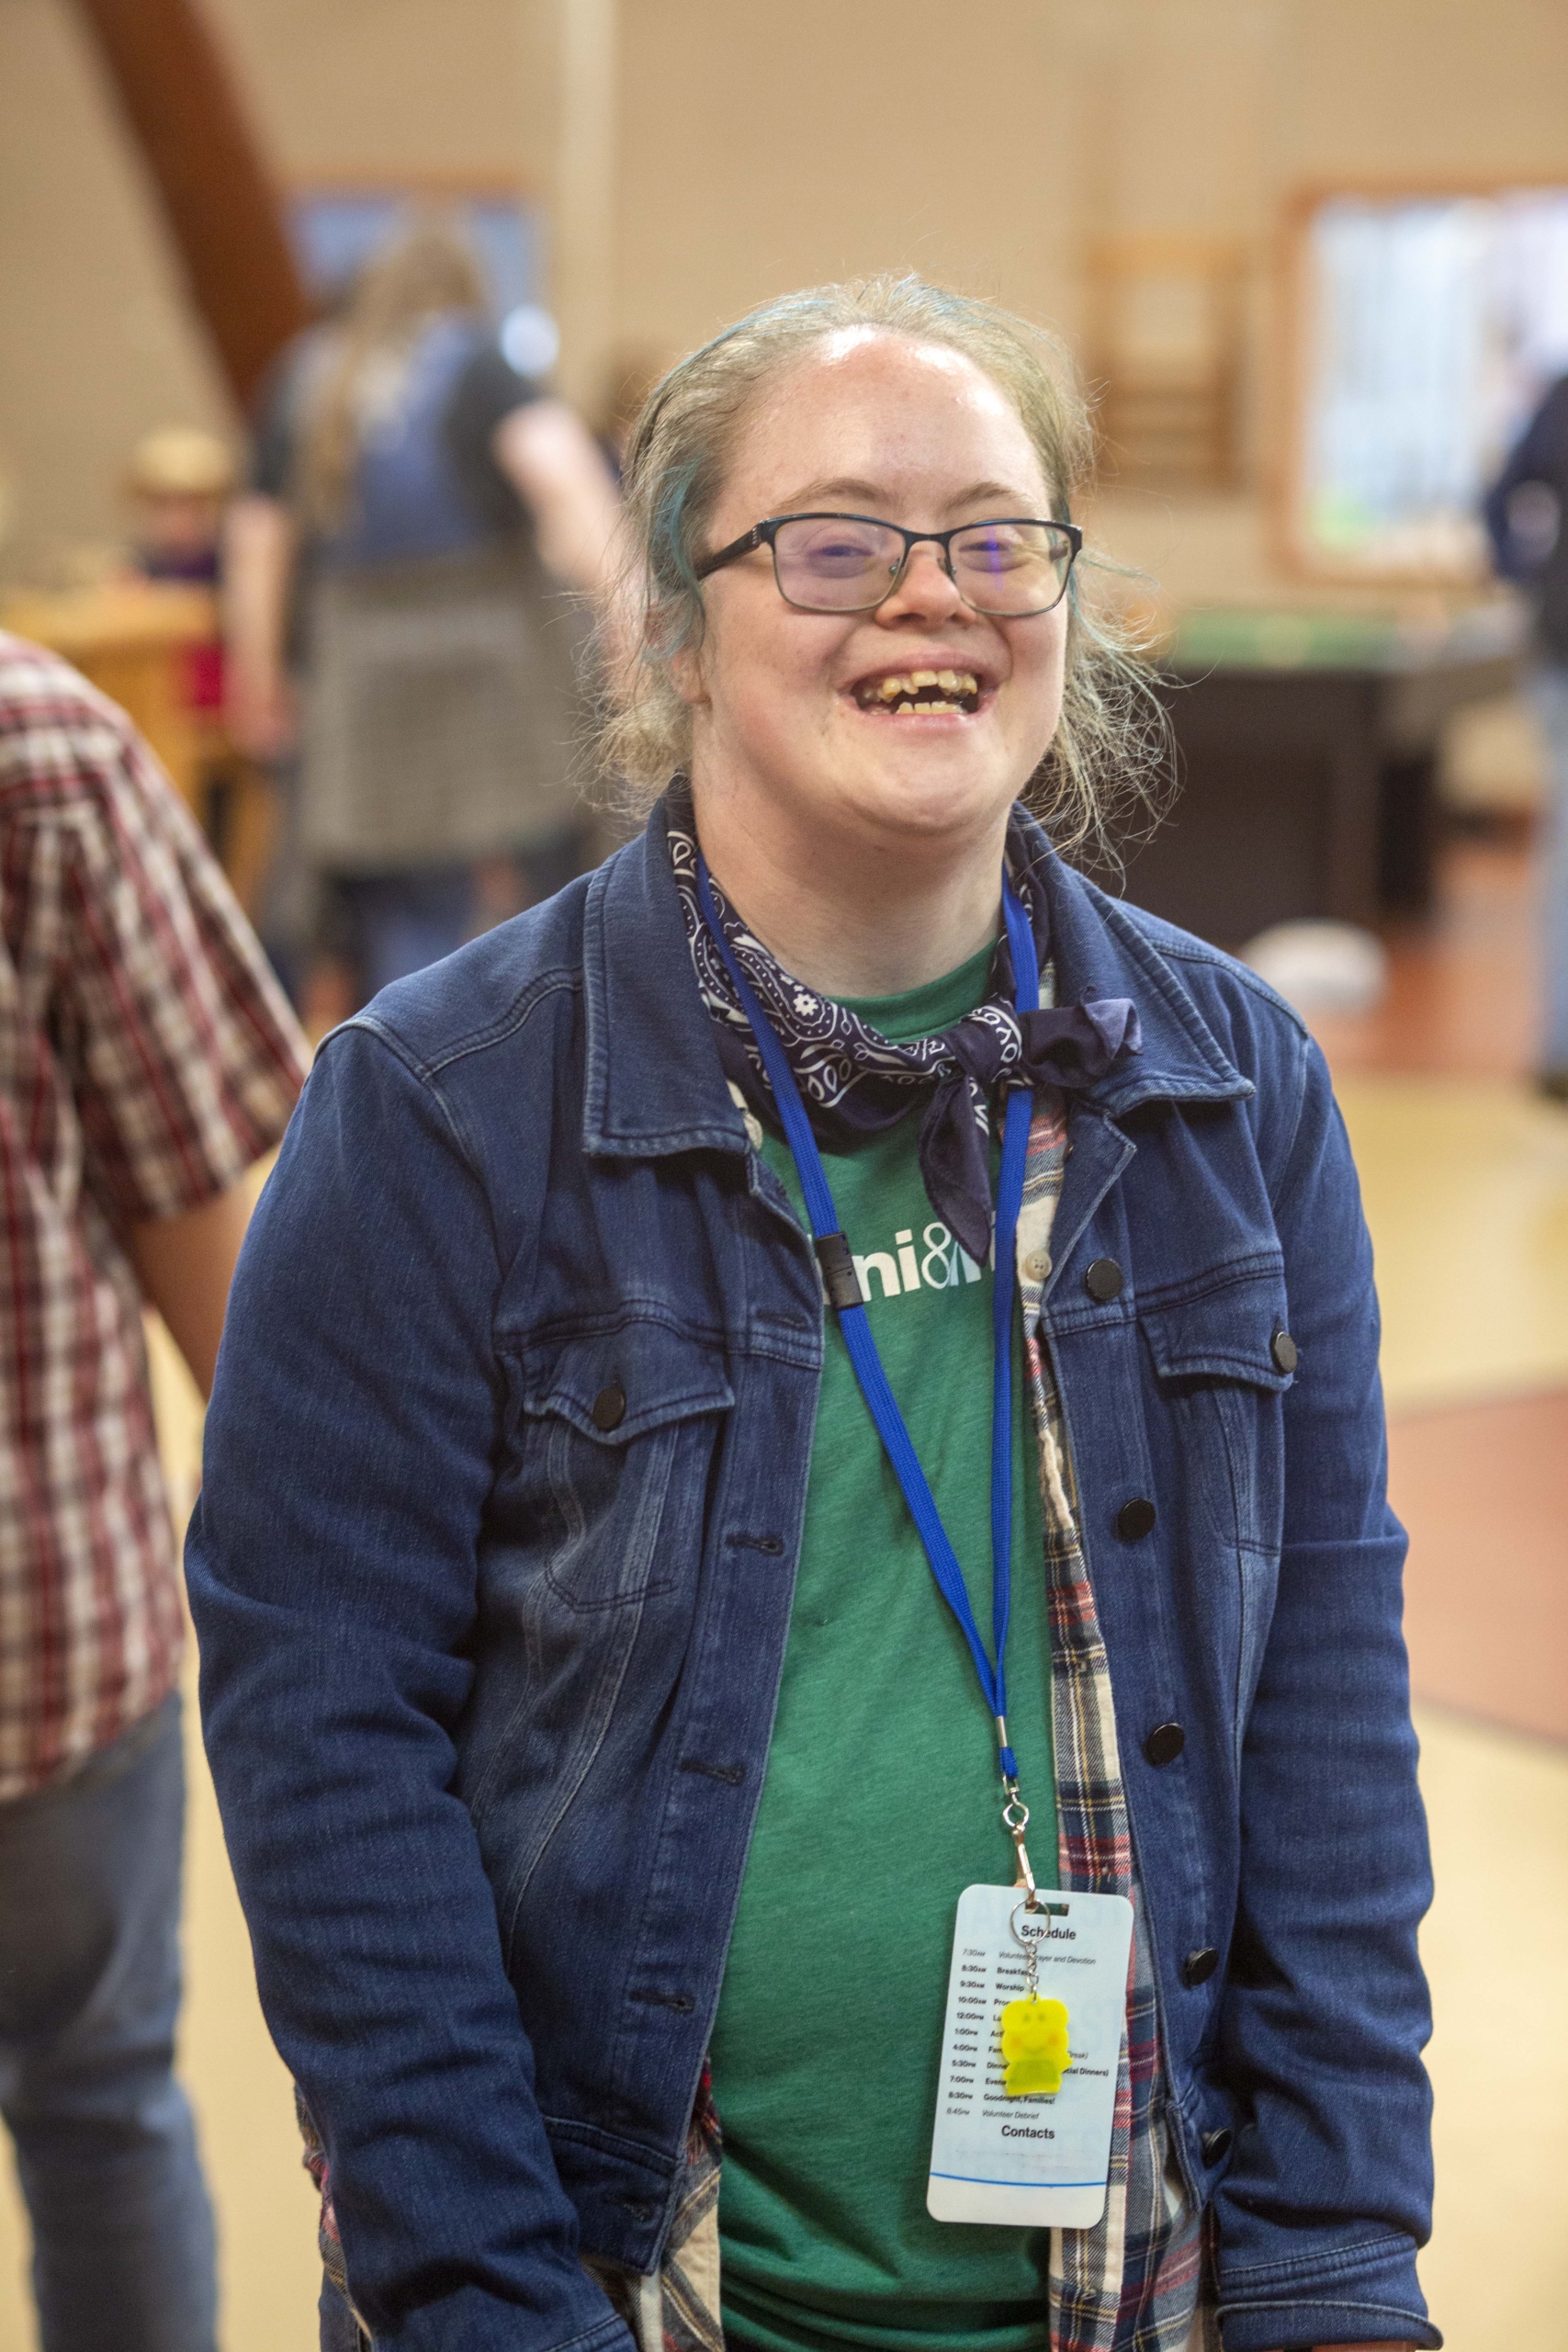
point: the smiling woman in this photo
(1100, 764)
(622, 1607)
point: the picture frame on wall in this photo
(1422, 324)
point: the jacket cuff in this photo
(474, 2321)
(1367, 2295)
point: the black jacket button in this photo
(1216, 2145)
(1165, 1743)
(1198, 1966)
(609, 1408)
(1284, 1350)
(1135, 1519)
(1104, 1280)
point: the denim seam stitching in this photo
(1232, 968)
(1319, 2303)
(1343, 2257)
(630, 1312)
(527, 1000)
(1278, 1195)
(425, 1080)
(1237, 1271)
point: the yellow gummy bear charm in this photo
(1035, 2043)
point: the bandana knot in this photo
(855, 1082)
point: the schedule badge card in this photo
(1028, 2086)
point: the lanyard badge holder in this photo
(1028, 2081)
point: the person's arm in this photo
(259, 549)
(559, 473)
(185, 1264)
(1327, 2192)
(332, 1569)
(183, 1057)
(1536, 469)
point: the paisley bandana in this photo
(855, 1082)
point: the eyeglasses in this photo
(851, 563)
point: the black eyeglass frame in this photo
(765, 534)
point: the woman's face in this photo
(792, 710)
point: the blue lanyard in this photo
(843, 1291)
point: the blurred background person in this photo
(416, 509)
(1524, 517)
(178, 484)
(179, 481)
(149, 1059)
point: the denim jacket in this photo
(505, 1473)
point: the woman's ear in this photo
(686, 676)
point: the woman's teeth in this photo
(921, 690)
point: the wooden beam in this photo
(573, 52)
(218, 199)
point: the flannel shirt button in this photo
(1103, 1281)
(1037, 1265)
(1198, 1966)
(1135, 1519)
(1284, 1350)
(1165, 1743)
(609, 1409)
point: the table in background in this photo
(1307, 748)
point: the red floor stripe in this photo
(1483, 1490)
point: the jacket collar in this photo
(1100, 949)
(654, 1084)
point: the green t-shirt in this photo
(880, 1805)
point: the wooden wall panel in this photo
(216, 194)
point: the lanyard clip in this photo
(1016, 1819)
(1015, 1815)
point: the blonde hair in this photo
(426, 272)
(181, 461)
(1101, 764)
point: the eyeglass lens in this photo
(831, 564)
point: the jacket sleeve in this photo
(1329, 2191)
(331, 1567)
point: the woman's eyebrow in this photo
(870, 497)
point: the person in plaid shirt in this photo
(147, 1059)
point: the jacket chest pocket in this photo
(614, 1442)
(1217, 1355)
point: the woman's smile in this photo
(919, 691)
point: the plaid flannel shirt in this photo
(147, 1057)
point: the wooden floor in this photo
(1465, 1176)
(1483, 1490)
(1466, 1181)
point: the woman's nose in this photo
(926, 589)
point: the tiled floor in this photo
(1466, 1182)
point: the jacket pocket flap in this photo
(1224, 1333)
(616, 1384)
